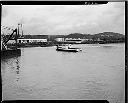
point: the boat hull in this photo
(10, 53)
(68, 50)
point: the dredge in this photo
(5, 37)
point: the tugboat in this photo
(67, 48)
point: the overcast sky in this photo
(66, 19)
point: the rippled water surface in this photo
(44, 73)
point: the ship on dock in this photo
(10, 51)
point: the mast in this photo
(21, 30)
(18, 29)
(17, 34)
(16, 37)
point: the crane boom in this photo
(10, 36)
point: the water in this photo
(98, 72)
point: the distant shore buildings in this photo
(30, 39)
(76, 38)
(70, 40)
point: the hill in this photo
(109, 36)
(99, 35)
(105, 37)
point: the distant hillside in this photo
(99, 35)
(75, 35)
(79, 35)
(109, 34)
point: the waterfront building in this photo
(59, 39)
(74, 40)
(32, 39)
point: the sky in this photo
(66, 19)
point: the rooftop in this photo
(34, 37)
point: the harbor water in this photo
(42, 73)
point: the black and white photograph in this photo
(63, 52)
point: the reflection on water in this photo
(11, 63)
(44, 73)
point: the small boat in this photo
(67, 48)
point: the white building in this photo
(74, 40)
(59, 39)
(31, 40)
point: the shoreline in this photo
(53, 44)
